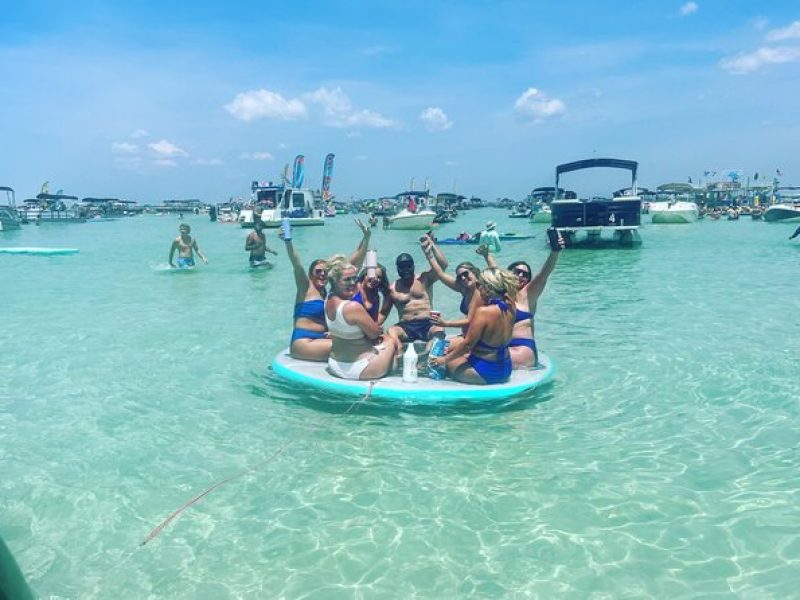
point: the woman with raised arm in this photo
(370, 289)
(310, 340)
(465, 283)
(481, 356)
(357, 351)
(523, 344)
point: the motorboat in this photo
(542, 213)
(52, 208)
(521, 211)
(787, 212)
(299, 205)
(673, 211)
(587, 220)
(9, 217)
(405, 219)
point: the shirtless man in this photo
(256, 245)
(412, 295)
(186, 246)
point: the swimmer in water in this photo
(186, 246)
(256, 245)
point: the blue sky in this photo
(156, 100)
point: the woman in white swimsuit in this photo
(356, 351)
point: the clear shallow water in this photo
(662, 462)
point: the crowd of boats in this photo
(617, 217)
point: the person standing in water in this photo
(256, 245)
(490, 238)
(186, 246)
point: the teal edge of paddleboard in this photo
(413, 394)
(40, 251)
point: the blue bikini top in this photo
(310, 309)
(464, 308)
(522, 315)
(373, 312)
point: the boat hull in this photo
(412, 221)
(676, 213)
(783, 213)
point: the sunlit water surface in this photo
(662, 462)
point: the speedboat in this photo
(590, 219)
(405, 219)
(541, 213)
(299, 205)
(521, 211)
(9, 217)
(784, 213)
(674, 211)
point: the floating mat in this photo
(42, 251)
(425, 391)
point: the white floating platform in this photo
(41, 251)
(425, 391)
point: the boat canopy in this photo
(420, 194)
(6, 189)
(55, 197)
(591, 163)
(104, 200)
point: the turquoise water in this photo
(662, 462)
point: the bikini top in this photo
(310, 309)
(464, 308)
(373, 312)
(501, 350)
(340, 328)
(522, 315)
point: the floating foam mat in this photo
(425, 391)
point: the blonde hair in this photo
(336, 265)
(499, 283)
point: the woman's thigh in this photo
(379, 364)
(307, 349)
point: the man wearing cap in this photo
(413, 296)
(489, 238)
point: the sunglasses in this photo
(463, 275)
(521, 272)
(318, 272)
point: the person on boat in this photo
(371, 287)
(310, 339)
(523, 344)
(386, 222)
(795, 234)
(185, 245)
(482, 355)
(412, 205)
(357, 350)
(465, 283)
(490, 238)
(412, 294)
(256, 245)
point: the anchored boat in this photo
(589, 220)
(9, 218)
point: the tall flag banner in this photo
(299, 172)
(755, 177)
(779, 172)
(690, 179)
(327, 174)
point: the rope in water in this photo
(174, 515)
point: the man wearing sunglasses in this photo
(413, 296)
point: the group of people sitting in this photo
(341, 309)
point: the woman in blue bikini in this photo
(310, 340)
(482, 356)
(370, 289)
(465, 283)
(523, 344)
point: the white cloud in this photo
(360, 157)
(689, 8)
(536, 105)
(752, 61)
(165, 162)
(139, 133)
(760, 23)
(338, 111)
(256, 156)
(264, 104)
(129, 162)
(451, 163)
(124, 148)
(166, 149)
(209, 162)
(435, 119)
(784, 33)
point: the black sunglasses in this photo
(522, 272)
(319, 271)
(463, 275)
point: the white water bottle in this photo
(410, 364)
(371, 262)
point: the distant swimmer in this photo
(186, 246)
(256, 245)
(795, 234)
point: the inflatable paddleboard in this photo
(505, 237)
(41, 251)
(425, 391)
